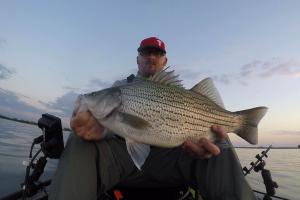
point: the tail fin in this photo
(251, 118)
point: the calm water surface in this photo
(15, 143)
(16, 139)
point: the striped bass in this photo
(160, 112)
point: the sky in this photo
(51, 51)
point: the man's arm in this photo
(204, 148)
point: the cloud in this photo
(262, 69)
(288, 68)
(275, 67)
(93, 85)
(11, 99)
(64, 104)
(20, 106)
(17, 105)
(71, 88)
(5, 73)
(224, 78)
(2, 41)
(98, 83)
(189, 75)
(248, 69)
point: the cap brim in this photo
(150, 47)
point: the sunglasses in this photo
(148, 52)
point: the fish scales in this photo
(217, 116)
(172, 100)
(193, 113)
(211, 116)
(190, 106)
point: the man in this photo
(88, 168)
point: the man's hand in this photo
(86, 126)
(204, 148)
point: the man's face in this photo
(150, 61)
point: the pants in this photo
(220, 177)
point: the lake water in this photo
(16, 139)
(284, 165)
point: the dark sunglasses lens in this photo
(153, 52)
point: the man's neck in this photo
(141, 76)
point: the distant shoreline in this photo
(25, 121)
(18, 120)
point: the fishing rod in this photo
(259, 165)
(254, 165)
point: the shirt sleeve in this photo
(119, 83)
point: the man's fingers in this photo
(204, 148)
(197, 150)
(209, 146)
(86, 126)
(193, 148)
(219, 131)
(79, 119)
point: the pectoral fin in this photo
(138, 152)
(134, 121)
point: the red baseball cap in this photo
(152, 42)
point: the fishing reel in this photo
(52, 146)
(259, 165)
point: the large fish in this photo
(160, 112)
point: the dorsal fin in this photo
(167, 78)
(207, 88)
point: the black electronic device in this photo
(52, 146)
(52, 140)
